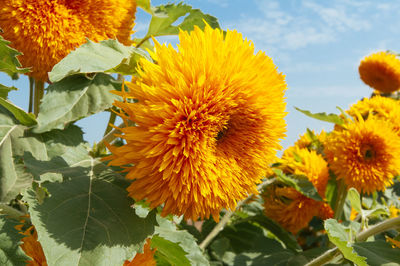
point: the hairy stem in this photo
(31, 91)
(341, 199)
(378, 228)
(218, 228)
(142, 41)
(360, 237)
(324, 258)
(39, 92)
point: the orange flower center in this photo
(368, 152)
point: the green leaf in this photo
(169, 251)
(287, 238)
(14, 141)
(145, 5)
(24, 118)
(340, 237)
(165, 15)
(378, 253)
(4, 90)
(168, 231)
(10, 252)
(331, 118)
(88, 219)
(8, 60)
(94, 57)
(331, 190)
(355, 200)
(74, 98)
(300, 183)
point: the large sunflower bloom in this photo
(46, 31)
(381, 71)
(291, 209)
(143, 259)
(209, 118)
(380, 107)
(366, 154)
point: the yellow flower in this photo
(366, 154)
(381, 71)
(143, 259)
(394, 211)
(305, 140)
(31, 246)
(209, 117)
(291, 209)
(46, 31)
(395, 243)
(380, 107)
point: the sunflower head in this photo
(366, 154)
(378, 107)
(46, 31)
(381, 71)
(289, 207)
(209, 119)
(143, 259)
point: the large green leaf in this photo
(73, 98)
(287, 238)
(14, 141)
(23, 117)
(10, 252)
(145, 5)
(94, 57)
(168, 231)
(378, 253)
(300, 183)
(4, 90)
(8, 60)
(331, 118)
(339, 236)
(165, 15)
(88, 219)
(169, 252)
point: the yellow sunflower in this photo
(209, 119)
(366, 154)
(143, 259)
(305, 140)
(380, 107)
(381, 71)
(46, 31)
(291, 209)
(31, 246)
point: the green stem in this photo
(218, 228)
(39, 92)
(360, 237)
(111, 121)
(341, 199)
(142, 41)
(324, 258)
(31, 90)
(10, 211)
(378, 228)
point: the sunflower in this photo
(380, 107)
(287, 206)
(31, 246)
(381, 71)
(366, 154)
(143, 259)
(209, 118)
(46, 31)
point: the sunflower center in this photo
(221, 133)
(368, 152)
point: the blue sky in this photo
(316, 44)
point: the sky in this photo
(317, 45)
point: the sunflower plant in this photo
(191, 175)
